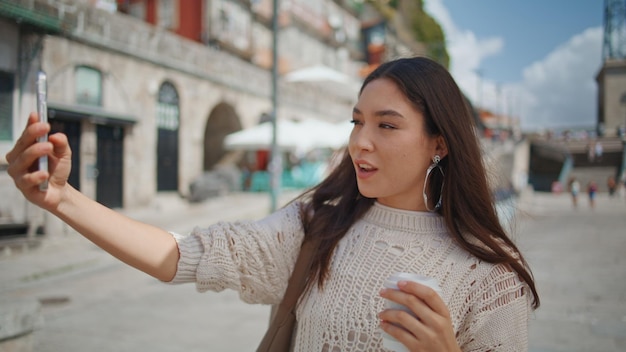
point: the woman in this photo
(410, 195)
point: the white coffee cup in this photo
(389, 342)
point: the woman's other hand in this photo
(23, 161)
(432, 329)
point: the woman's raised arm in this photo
(145, 247)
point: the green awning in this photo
(93, 114)
(48, 21)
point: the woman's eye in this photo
(355, 122)
(386, 126)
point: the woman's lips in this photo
(364, 170)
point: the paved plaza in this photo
(91, 302)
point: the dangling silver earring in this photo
(434, 165)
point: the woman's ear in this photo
(441, 147)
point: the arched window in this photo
(167, 121)
(167, 108)
(88, 86)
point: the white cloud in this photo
(466, 55)
(558, 91)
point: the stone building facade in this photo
(147, 90)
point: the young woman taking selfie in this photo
(410, 195)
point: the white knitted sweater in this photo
(489, 305)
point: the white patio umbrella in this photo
(327, 134)
(316, 73)
(292, 136)
(289, 137)
(325, 78)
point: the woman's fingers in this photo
(61, 148)
(60, 159)
(23, 157)
(425, 295)
(414, 322)
(422, 300)
(402, 326)
(427, 322)
(26, 160)
(31, 132)
(24, 171)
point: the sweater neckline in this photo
(404, 220)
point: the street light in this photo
(622, 172)
(623, 127)
(275, 161)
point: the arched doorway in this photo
(167, 121)
(222, 121)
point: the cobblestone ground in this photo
(578, 259)
(90, 302)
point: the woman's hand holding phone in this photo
(40, 164)
(24, 160)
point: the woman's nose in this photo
(360, 138)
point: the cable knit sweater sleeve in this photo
(254, 258)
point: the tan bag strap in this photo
(299, 276)
(295, 287)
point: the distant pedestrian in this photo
(611, 184)
(598, 151)
(591, 152)
(556, 187)
(592, 189)
(574, 189)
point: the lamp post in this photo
(622, 172)
(622, 128)
(275, 161)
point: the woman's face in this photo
(390, 148)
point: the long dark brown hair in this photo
(334, 205)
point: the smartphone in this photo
(42, 111)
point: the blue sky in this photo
(535, 60)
